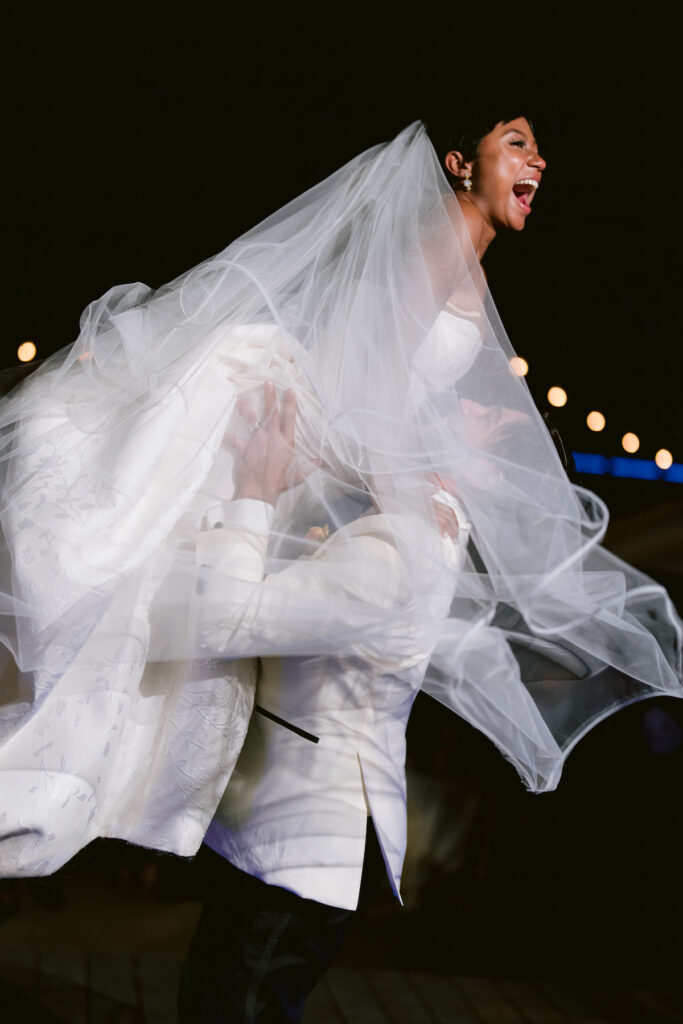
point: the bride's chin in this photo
(517, 222)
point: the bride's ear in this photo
(455, 164)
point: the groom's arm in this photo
(353, 597)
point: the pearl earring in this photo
(467, 183)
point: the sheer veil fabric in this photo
(131, 645)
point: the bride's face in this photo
(506, 173)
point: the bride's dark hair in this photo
(450, 130)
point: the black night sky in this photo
(139, 142)
(137, 146)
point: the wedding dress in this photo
(120, 714)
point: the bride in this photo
(130, 651)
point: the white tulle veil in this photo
(363, 295)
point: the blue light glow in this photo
(675, 473)
(638, 469)
(642, 469)
(587, 462)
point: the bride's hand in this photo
(446, 520)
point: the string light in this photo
(26, 352)
(557, 397)
(519, 366)
(596, 421)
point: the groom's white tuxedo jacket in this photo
(326, 744)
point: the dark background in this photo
(138, 142)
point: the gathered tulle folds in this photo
(133, 622)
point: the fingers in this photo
(247, 412)
(270, 397)
(288, 415)
(446, 520)
(287, 419)
(441, 482)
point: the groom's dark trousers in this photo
(259, 949)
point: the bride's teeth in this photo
(528, 181)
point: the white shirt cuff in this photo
(246, 512)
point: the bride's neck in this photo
(481, 231)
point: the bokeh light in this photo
(557, 397)
(630, 443)
(595, 420)
(664, 458)
(26, 351)
(519, 366)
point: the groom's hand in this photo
(264, 465)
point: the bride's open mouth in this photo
(524, 191)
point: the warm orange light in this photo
(26, 351)
(557, 397)
(630, 443)
(664, 458)
(595, 420)
(519, 366)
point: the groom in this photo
(315, 813)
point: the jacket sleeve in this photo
(351, 598)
